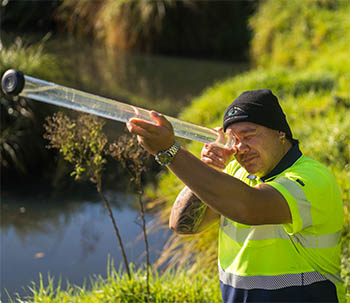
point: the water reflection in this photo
(154, 82)
(66, 236)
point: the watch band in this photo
(166, 156)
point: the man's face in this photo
(259, 148)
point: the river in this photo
(69, 235)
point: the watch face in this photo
(164, 157)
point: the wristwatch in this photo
(166, 156)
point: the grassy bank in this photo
(180, 287)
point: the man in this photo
(280, 212)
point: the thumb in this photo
(221, 135)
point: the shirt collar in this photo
(287, 161)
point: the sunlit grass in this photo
(171, 287)
(31, 59)
(301, 33)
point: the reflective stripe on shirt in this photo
(268, 232)
(269, 282)
(297, 192)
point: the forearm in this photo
(187, 213)
(222, 193)
(229, 196)
(226, 195)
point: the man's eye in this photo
(248, 137)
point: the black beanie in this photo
(258, 106)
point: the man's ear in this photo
(282, 136)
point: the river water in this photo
(70, 236)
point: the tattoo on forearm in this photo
(188, 211)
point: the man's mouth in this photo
(248, 159)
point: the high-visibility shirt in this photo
(279, 256)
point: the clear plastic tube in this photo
(52, 93)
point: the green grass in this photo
(301, 33)
(171, 287)
(31, 59)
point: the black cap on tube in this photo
(12, 82)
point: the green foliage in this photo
(30, 59)
(173, 287)
(301, 33)
(81, 142)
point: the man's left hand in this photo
(154, 137)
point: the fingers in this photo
(134, 128)
(136, 123)
(216, 163)
(161, 120)
(149, 126)
(230, 142)
(213, 155)
(212, 149)
(221, 135)
(154, 137)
